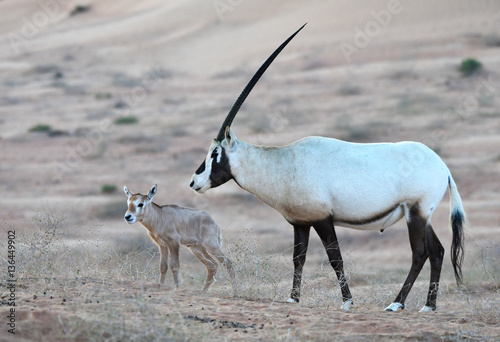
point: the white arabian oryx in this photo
(170, 226)
(323, 182)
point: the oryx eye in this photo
(214, 154)
(140, 205)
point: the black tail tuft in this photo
(457, 244)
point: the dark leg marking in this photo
(436, 255)
(326, 232)
(301, 237)
(417, 232)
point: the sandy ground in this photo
(67, 311)
(369, 72)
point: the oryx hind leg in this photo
(436, 255)
(417, 226)
(326, 232)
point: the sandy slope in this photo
(177, 66)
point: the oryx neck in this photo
(254, 169)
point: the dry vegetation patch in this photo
(85, 288)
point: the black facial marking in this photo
(221, 171)
(201, 168)
(214, 154)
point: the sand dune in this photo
(365, 72)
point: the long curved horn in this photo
(236, 106)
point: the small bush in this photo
(469, 66)
(492, 41)
(120, 104)
(46, 68)
(79, 9)
(41, 128)
(103, 96)
(108, 188)
(349, 90)
(126, 120)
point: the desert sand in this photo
(95, 95)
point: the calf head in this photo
(137, 204)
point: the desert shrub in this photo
(44, 250)
(349, 90)
(126, 120)
(259, 275)
(492, 40)
(469, 66)
(103, 96)
(120, 104)
(46, 68)
(54, 249)
(40, 128)
(108, 188)
(80, 9)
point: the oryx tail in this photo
(457, 220)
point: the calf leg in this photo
(436, 255)
(174, 262)
(163, 263)
(215, 251)
(209, 262)
(326, 232)
(301, 240)
(416, 231)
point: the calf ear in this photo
(152, 192)
(126, 191)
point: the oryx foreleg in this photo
(326, 232)
(301, 233)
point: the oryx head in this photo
(137, 204)
(215, 169)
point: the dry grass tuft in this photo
(109, 290)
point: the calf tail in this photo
(457, 220)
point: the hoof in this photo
(427, 309)
(346, 306)
(291, 300)
(394, 307)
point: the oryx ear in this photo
(152, 192)
(126, 191)
(229, 137)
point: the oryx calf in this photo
(171, 226)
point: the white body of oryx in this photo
(362, 186)
(324, 182)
